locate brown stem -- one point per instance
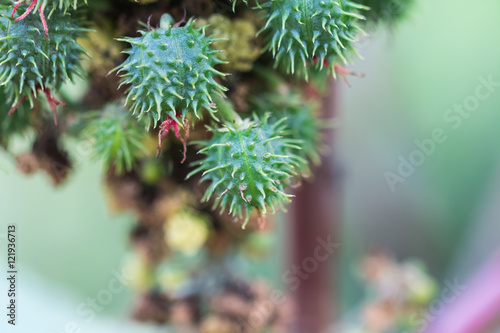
(315, 215)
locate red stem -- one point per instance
(26, 13)
(315, 215)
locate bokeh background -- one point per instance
(446, 213)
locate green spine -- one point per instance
(61, 4)
(302, 124)
(236, 1)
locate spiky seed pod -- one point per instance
(39, 6)
(312, 34)
(171, 72)
(117, 137)
(302, 123)
(248, 166)
(279, 127)
(30, 62)
(305, 126)
(388, 11)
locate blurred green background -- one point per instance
(415, 73)
(70, 243)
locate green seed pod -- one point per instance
(30, 62)
(302, 123)
(118, 138)
(312, 34)
(388, 11)
(39, 6)
(170, 71)
(248, 166)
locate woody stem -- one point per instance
(315, 220)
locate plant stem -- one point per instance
(315, 216)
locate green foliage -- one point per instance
(308, 35)
(118, 138)
(248, 166)
(171, 72)
(30, 62)
(389, 11)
